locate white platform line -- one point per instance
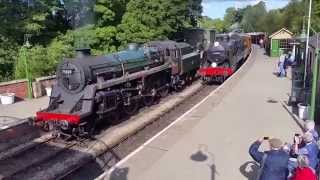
(170, 125)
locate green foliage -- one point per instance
(217, 24)
(274, 17)
(257, 18)
(206, 22)
(7, 53)
(231, 16)
(102, 25)
(155, 19)
(110, 12)
(253, 17)
(37, 62)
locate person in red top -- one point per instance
(303, 171)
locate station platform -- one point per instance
(14, 114)
(211, 141)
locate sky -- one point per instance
(216, 8)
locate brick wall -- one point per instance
(19, 87)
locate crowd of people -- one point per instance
(284, 161)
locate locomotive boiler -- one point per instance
(90, 89)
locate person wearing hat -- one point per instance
(308, 144)
(273, 163)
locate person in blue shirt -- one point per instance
(309, 126)
(281, 65)
(308, 144)
(273, 163)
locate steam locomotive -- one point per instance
(90, 89)
(224, 56)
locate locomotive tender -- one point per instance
(224, 56)
(90, 89)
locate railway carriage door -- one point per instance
(177, 58)
(170, 55)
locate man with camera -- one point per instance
(273, 163)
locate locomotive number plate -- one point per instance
(67, 71)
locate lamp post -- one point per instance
(25, 47)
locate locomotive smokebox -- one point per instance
(83, 52)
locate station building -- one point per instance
(280, 41)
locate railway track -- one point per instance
(18, 162)
(94, 168)
(34, 160)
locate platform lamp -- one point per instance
(25, 48)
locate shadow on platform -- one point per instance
(203, 155)
(119, 174)
(250, 170)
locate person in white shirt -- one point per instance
(261, 43)
(282, 71)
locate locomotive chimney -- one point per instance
(133, 46)
(83, 52)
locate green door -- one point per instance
(275, 48)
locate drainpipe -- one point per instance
(315, 82)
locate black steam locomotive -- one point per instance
(224, 56)
(91, 88)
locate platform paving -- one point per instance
(211, 142)
(13, 114)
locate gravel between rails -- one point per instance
(32, 156)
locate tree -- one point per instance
(274, 19)
(231, 16)
(110, 12)
(217, 24)
(155, 19)
(253, 16)
(58, 27)
(206, 22)
(293, 16)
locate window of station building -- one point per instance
(286, 44)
